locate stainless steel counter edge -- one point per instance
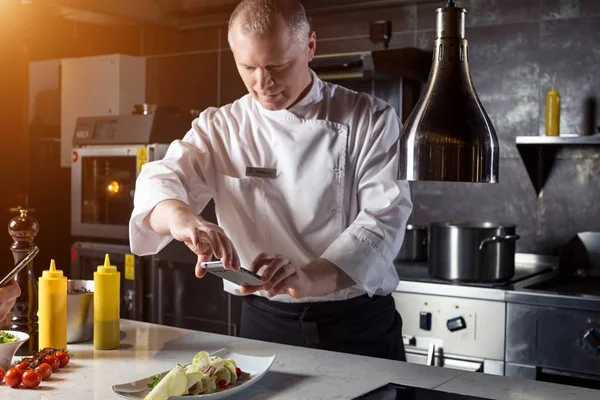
(437, 289)
(520, 294)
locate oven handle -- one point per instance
(471, 366)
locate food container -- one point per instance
(414, 247)
(472, 251)
(80, 311)
(8, 350)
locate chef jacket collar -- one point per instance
(313, 96)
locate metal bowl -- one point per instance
(80, 310)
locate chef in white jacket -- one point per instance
(303, 175)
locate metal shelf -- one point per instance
(538, 153)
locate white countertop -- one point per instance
(297, 373)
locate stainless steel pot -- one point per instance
(472, 251)
(414, 247)
(80, 310)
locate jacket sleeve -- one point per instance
(367, 248)
(186, 173)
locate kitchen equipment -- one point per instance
(472, 251)
(460, 325)
(553, 329)
(80, 310)
(134, 274)
(23, 230)
(414, 246)
(449, 136)
(394, 391)
(108, 155)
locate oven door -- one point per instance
(434, 355)
(102, 187)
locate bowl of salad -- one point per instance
(10, 341)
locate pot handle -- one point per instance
(498, 239)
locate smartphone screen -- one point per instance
(243, 276)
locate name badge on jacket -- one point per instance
(261, 172)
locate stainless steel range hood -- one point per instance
(410, 63)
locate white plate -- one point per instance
(257, 367)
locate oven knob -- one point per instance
(425, 320)
(456, 324)
(592, 340)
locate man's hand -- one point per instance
(202, 237)
(282, 275)
(8, 297)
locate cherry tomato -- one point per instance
(52, 361)
(48, 350)
(31, 379)
(22, 366)
(45, 370)
(13, 377)
(223, 384)
(1, 374)
(63, 358)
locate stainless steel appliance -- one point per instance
(135, 299)
(553, 323)
(108, 154)
(180, 299)
(394, 391)
(472, 251)
(414, 246)
(459, 325)
(449, 136)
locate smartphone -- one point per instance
(22, 264)
(243, 276)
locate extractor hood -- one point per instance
(410, 63)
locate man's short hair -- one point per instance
(257, 17)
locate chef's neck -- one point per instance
(309, 78)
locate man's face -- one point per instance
(274, 67)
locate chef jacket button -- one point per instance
(333, 211)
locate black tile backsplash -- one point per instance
(517, 51)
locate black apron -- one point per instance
(368, 326)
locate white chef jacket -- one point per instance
(334, 195)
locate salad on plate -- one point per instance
(205, 374)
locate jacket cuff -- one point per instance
(361, 255)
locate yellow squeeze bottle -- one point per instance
(106, 306)
(552, 113)
(52, 308)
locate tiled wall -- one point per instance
(518, 49)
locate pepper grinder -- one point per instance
(23, 230)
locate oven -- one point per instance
(453, 332)
(553, 323)
(102, 187)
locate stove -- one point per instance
(553, 321)
(460, 325)
(394, 391)
(419, 272)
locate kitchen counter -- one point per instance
(297, 373)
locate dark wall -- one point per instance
(518, 50)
